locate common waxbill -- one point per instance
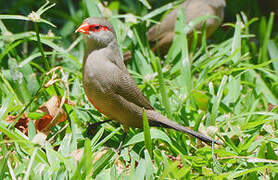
(110, 88)
(161, 35)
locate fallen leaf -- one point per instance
(43, 122)
(54, 114)
(22, 123)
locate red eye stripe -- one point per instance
(98, 27)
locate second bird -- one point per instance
(161, 35)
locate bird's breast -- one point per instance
(96, 79)
(98, 84)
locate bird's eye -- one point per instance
(97, 27)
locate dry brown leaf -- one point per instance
(22, 123)
(54, 114)
(43, 122)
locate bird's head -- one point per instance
(98, 32)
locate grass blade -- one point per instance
(147, 134)
(263, 56)
(27, 174)
(162, 88)
(236, 44)
(92, 8)
(217, 101)
(273, 52)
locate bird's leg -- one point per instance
(118, 150)
(92, 127)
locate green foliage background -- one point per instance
(226, 87)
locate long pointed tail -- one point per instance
(157, 120)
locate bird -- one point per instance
(161, 35)
(109, 86)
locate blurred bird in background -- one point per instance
(161, 35)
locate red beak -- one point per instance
(83, 28)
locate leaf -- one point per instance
(239, 173)
(31, 130)
(217, 100)
(85, 166)
(273, 52)
(147, 134)
(262, 88)
(236, 44)
(163, 89)
(65, 147)
(99, 165)
(39, 139)
(159, 11)
(31, 162)
(155, 134)
(149, 165)
(53, 114)
(233, 90)
(263, 56)
(22, 140)
(19, 17)
(106, 139)
(201, 99)
(22, 123)
(146, 3)
(36, 115)
(92, 8)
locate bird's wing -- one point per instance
(126, 87)
(117, 60)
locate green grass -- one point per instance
(226, 88)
